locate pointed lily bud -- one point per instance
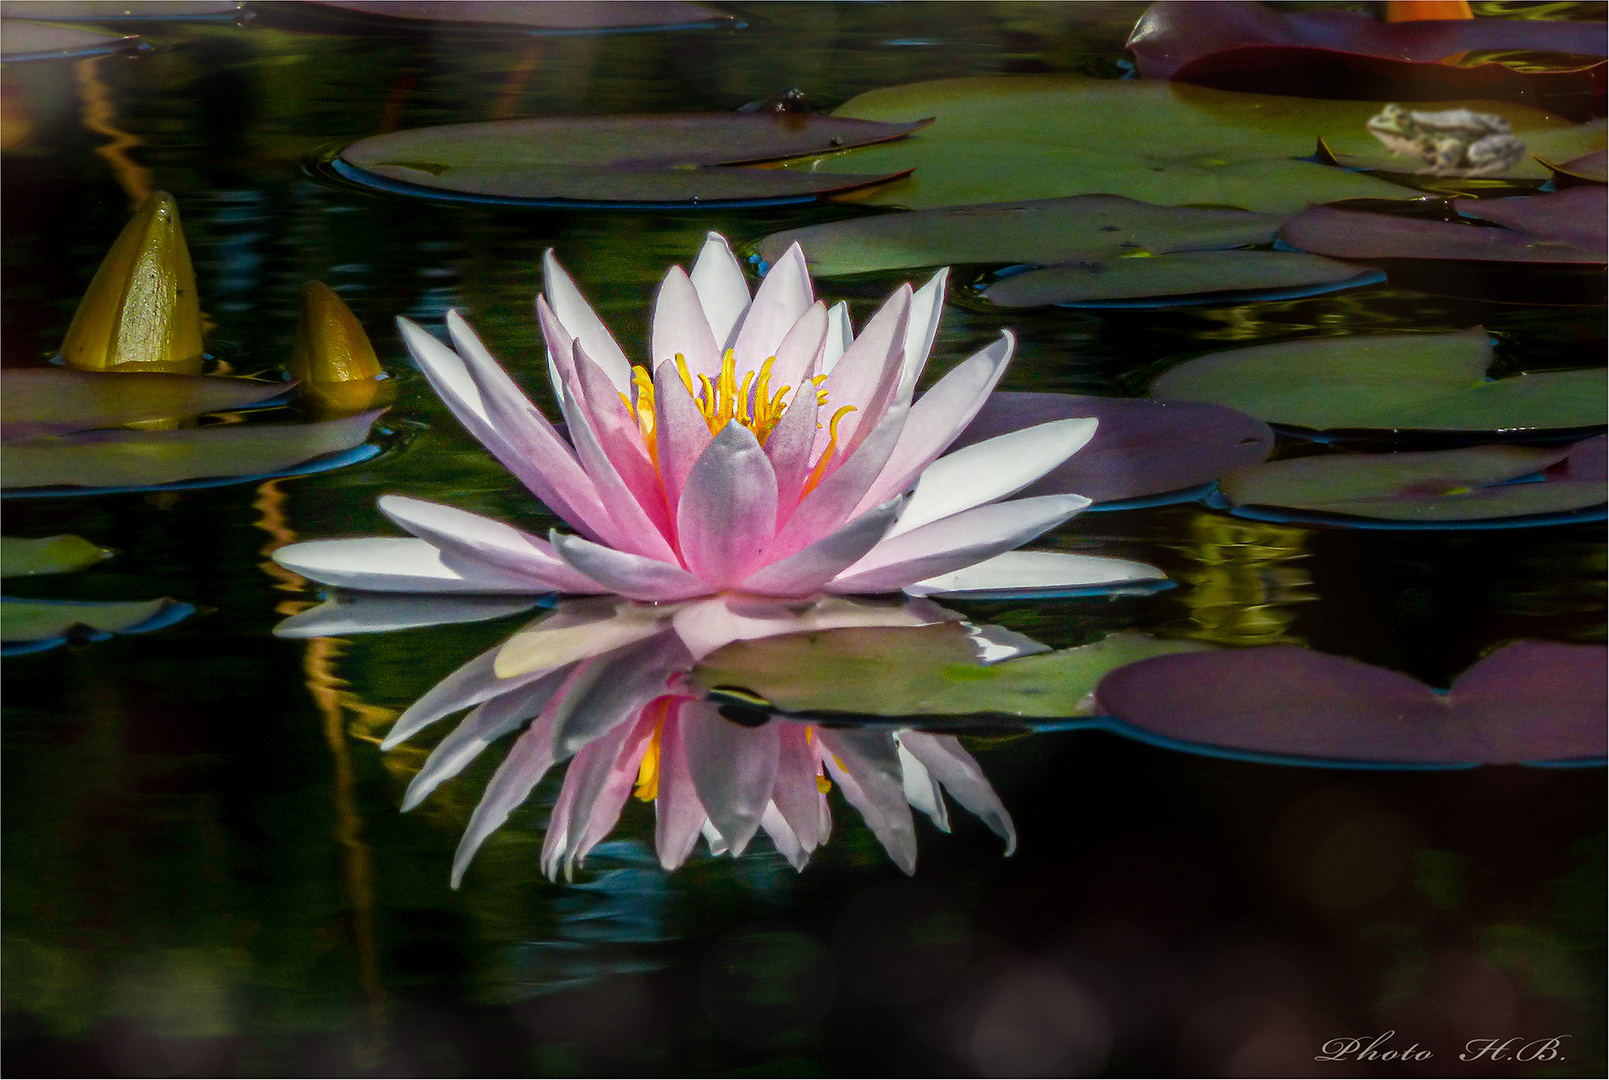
(141, 312)
(332, 356)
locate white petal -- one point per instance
(1027, 573)
(484, 541)
(921, 790)
(722, 288)
(397, 564)
(840, 335)
(583, 323)
(991, 470)
(783, 297)
(346, 613)
(926, 308)
(949, 764)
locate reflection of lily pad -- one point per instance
(1041, 232)
(1191, 277)
(502, 17)
(123, 11)
(659, 161)
(1008, 138)
(1531, 701)
(41, 401)
(140, 459)
(920, 671)
(1468, 484)
(35, 625)
(21, 40)
(1414, 381)
(1141, 448)
(1239, 45)
(62, 554)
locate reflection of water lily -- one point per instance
(764, 449)
(604, 680)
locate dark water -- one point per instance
(205, 872)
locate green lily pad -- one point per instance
(1202, 274)
(136, 459)
(42, 401)
(1468, 484)
(1041, 231)
(1552, 143)
(62, 554)
(1040, 136)
(670, 161)
(1414, 381)
(52, 620)
(920, 671)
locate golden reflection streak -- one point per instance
(99, 116)
(330, 694)
(1241, 588)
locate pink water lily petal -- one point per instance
(775, 826)
(601, 775)
(681, 433)
(801, 349)
(1536, 701)
(471, 684)
(1026, 573)
(527, 762)
(514, 433)
(681, 327)
(927, 305)
(615, 688)
(722, 289)
(949, 763)
(679, 815)
(557, 836)
(733, 768)
(956, 541)
(938, 416)
(810, 568)
(485, 541)
(397, 564)
(987, 471)
(797, 795)
(728, 509)
(840, 335)
(921, 790)
(868, 373)
(561, 359)
(345, 613)
(636, 576)
(582, 323)
(789, 447)
(622, 443)
(485, 724)
(829, 506)
(783, 296)
(865, 764)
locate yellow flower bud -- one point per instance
(332, 356)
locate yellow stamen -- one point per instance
(832, 447)
(643, 410)
(648, 772)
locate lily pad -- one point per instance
(1450, 486)
(1590, 168)
(1530, 701)
(52, 401)
(1008, 138)
(22, 40)
(62, 554)
(1554, 143)
(133, 460)
(1564, 227)
(668, 161)
(1191, 277)
(35, 625)
(1141, 448)
(1429, 382)
(122, 11)
(1041, 231)
(928, 671)
(1239, 45)
(539, 17)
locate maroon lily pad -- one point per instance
(52, 401)
(1576, 216)
(1587, 460)
(22, 40)
(1530, 701)
(671, 160)
(1141, 447)
(1560, 231)
(503, 16)
(1590, 168)
(1239, 45)
(123, 11)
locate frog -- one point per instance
(1457, 142)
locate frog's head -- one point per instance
(1393, 120)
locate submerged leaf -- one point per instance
(640, 160)
(50, 555)
(50, 401)
(1414, 381)
(910, 672)
(141, 311)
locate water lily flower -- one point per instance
(604, 681)
(762, 449)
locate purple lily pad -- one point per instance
(1587, 460)
(1575, 216)
(53, 401)
(642, 161)
(1530, 701)
(503, 16)
(1353, 234)
(1141, 447)
(123, 11)
(1239, 45)
(1193, 276)
(1590, 168)
(1468, 484)
(22, 40)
